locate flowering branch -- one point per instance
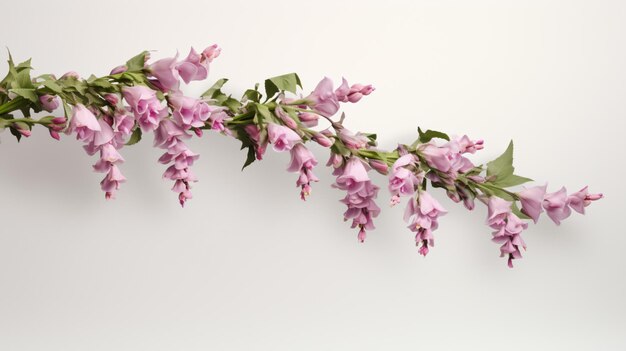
(110, 112)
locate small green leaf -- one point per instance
(252, 95)
(263, 112)
(135, 137)
(511, 180)
(137, 62)
(52, 85)
(250, 157)
(518, 212)
(215, 88)
(29, 94)
(428, 135)
(232, 104)
(287, 82)
(502, 166)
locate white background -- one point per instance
(248, 266)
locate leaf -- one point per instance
(518, 212)
(511, 180)
(22, 80)
(137, 62)
(287, 82)
(29, 94)
(52, 85)
(502, 166)
(135, 137)
(232, 104)
(264, 112)
(428, 135)
(215, 88)
(251, 157)
(252, 95)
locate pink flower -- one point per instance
(532, 199)
(354, 176)
(581, 199)
(83, 122)
(192, 67)
(119, 69)
(124, 122)
(380, 166)
(217, 120)
(353, 141)
(260, 141)
(324, 99)
(352, 94)
(402, 180)
(437, 157)
(49, 102)
(111, 182)
(196, 66)
(169, 136)
(303, 161)
(466, 145)
(308, 119)
(285, 118)
(211, 53)
(322, 139)
(555, 205)
(145, 105)
(281, 137)
(166, 74)
(188, 112)
(508, 229)
(422, 215)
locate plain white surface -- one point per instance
(248, 266)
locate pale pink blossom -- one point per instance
(303, 161)
(581, 199)
(532, 200)
(281, 137)
(556, 205)
(422, 214)
(324, 99)
(145, 105)
(49, 102)
(84, 123)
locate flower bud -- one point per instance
(112, 99)
(380, 166)
(322, 140)
(70, 75)
(49, 102)
(54, 134)
(308, 119)
(119, 69)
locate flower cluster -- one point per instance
(140, 97)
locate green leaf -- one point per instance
(516, 211)
(502, 166)
(137, 62)
(511, 180)
(232, 104)
(215, 88)
(135, 137)
(287, 82)
(52, 85)
(252, 95)
(428, 135)
(263, 112)
(250, 157)
(22, 80)
(29, 94)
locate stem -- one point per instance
(13, 105)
